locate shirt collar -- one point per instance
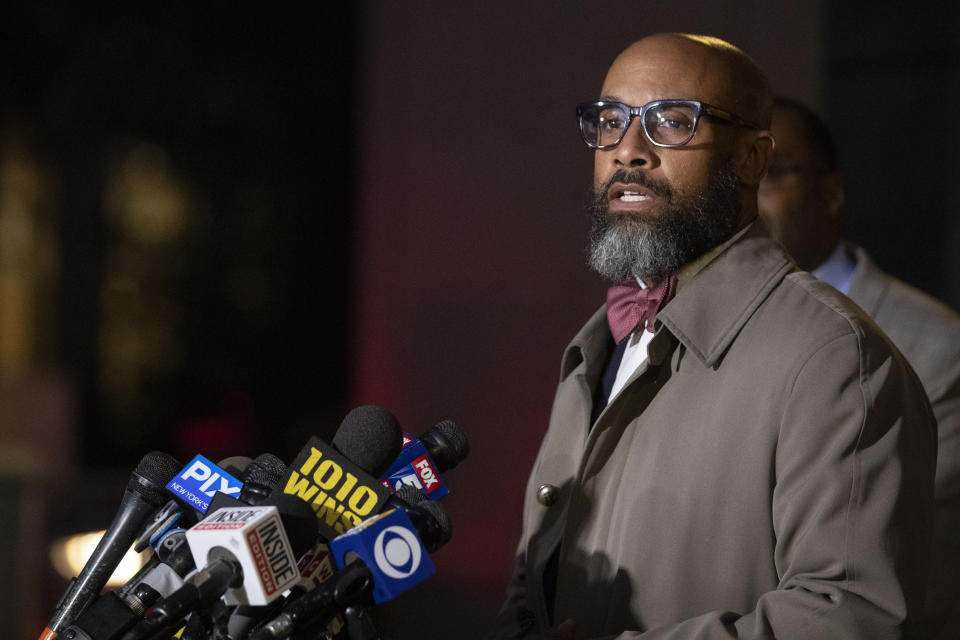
(839, 269)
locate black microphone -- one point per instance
(335, 479)
(430, 520)
(447, 444)
(369, 437)
(145, 492)
(423, 459)
(354, 584)
(174, 518)
(245, 554)
(115, 612)
(261, 478)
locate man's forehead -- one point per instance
(666, 68)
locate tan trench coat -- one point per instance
(768, 473)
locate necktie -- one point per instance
(630, 306)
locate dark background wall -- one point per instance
(889, 63)
(252, 218)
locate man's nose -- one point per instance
(635, 149)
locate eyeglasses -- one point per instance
(666, 123)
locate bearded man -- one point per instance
(735, 450)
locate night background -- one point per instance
(223, 225)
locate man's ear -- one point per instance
(753, 165)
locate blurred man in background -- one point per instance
(801, 200)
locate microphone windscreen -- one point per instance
(411, 495)
(369, 437)
(440, 515)
(447, 444)
(265, 469)
(151, 476)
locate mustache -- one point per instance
(658, 188)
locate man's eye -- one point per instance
(611, 123)
(667, 122)
(676, 119)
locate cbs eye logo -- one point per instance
(397, 552)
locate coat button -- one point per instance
(547, 495)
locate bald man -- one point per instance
(734, 451)
(801, 200)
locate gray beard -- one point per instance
(625, 246)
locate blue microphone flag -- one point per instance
(390, 548)
(196, 483)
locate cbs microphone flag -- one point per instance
(389, 547)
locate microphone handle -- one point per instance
(359, 624)
(131, 584)
(316, 608)
(132, 515)
(165, 617)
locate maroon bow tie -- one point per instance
(630, 306)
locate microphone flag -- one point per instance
(256, 538)
(416, 468)
(197, 482)
(390, 548)
(340, 493)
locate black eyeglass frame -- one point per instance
(699, 109)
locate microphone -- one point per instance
(370, 437)
(261, 478)
(246, 554)
(336, 480)
(379, 559)
(173, 560)
(197, 483)
(144, 493)
(256, 538)
(114, 612)
(429, 519)
(447, 444)
(172, 515)
(421, 461)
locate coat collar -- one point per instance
(713, 306)
(707, 312)
(592, 345)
